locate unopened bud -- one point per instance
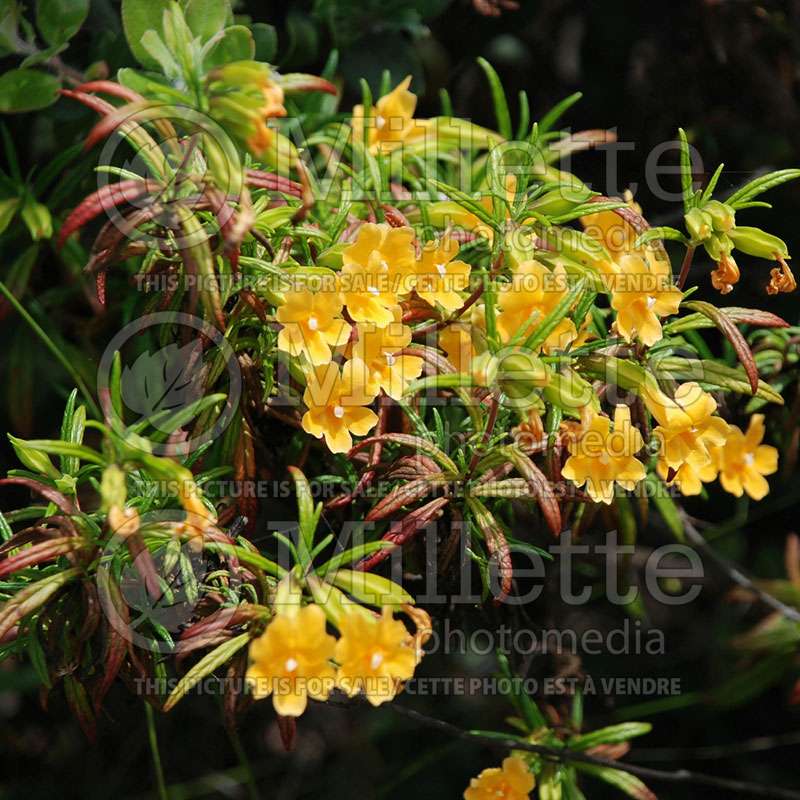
(758, 243)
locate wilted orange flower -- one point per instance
(374, 656)
(439, 278)
(532, 294)
(336, 404)
(781, 279)
(377, 348)
(310, 325)
(512, 781)
(725, 275)
(377, 268)
(744, 461)
(600, 457)
(390, 120)
(290, 661)
(640, 295)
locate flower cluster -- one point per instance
(294, 657)
(361, 320)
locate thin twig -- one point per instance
(687, 262)
(679, 776)
(734, 573)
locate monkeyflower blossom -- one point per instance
(512, 781)
(336, 404)
(310, 324)
(688, 477)
(600, 457)
(456, 341)
(439, 278)
(531, 295)
(377, 268)
(641, 295)
(687, 425)
(374, 655)
(378, 348)
(244, 95)
(744, 461)
(290, 660)
(390, 121)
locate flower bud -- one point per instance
(717, 245)
(698, 223)
(723, 217)
(37, 217)
(484, 369)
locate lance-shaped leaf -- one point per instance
(216, 658)
(351, 555)
(407, 493)
(761, 184)
(554, 318)
(78, 701)
(300, 82)
(610, 735)
(48, 492)
(104, 199)
(404, 529)
(728, 328)
(496, 543)
(716, 374)
(38, 553)
(623, 781)
(414, 442)
(308, 514)
(374, 590)
(274, 183)
(31, 597)
(539, 485)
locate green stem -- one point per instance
(151, 733)
(252, 788)
(62, 359)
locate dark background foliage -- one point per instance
(725, 71)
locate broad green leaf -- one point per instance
(138, 17)
(235, 44)
(27, 90)
(59, 20)
(266, 41)
(206, 18)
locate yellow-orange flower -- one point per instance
(310, 324)
(374, 656)
(744, 461)
(456, 341)
(687, 425)
(439, 278)
(512, 781)
(531, 295)
(600, 457)
(290, 661)
(641, 295)
(378, 348)
(390, 121)
(377, 268)
(336, 404)
(688, 477)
